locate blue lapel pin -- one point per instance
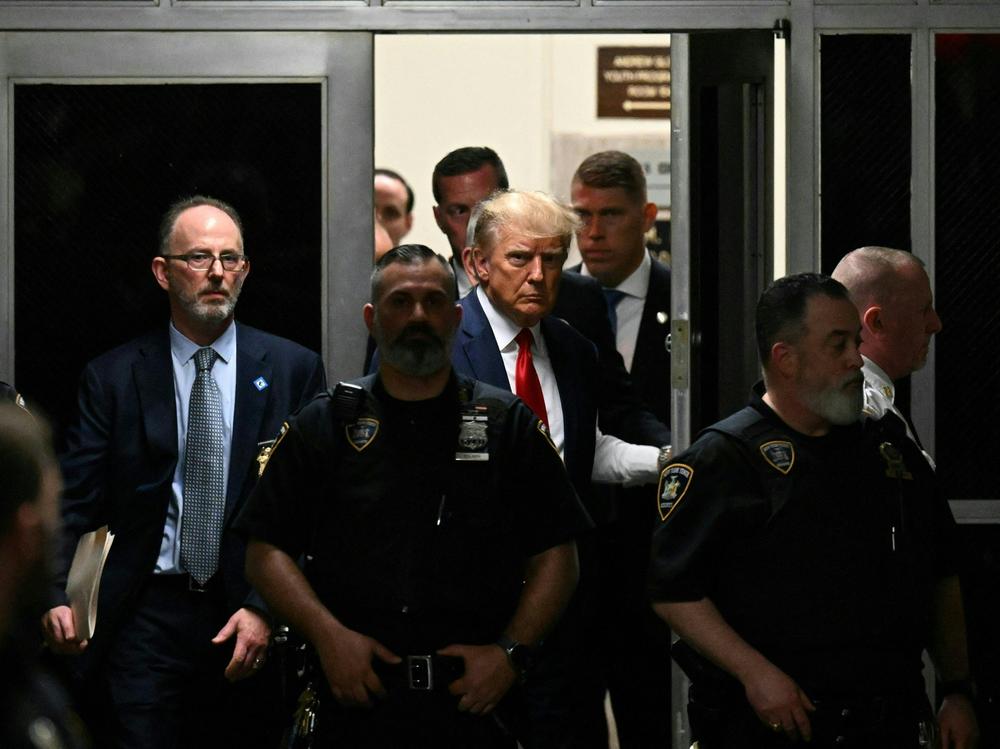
(261, 384)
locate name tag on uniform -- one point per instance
(472, 440)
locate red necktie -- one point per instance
(526, 383)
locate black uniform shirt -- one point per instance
(407, 543)
(810, 551)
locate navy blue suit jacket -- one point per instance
(122, 453)
(574, 364)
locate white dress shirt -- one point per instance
(615, 461)
(880, 398)
(182, 351)
(629, 309)
(505, 332)
(461, 277)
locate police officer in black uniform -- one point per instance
(437, 523)
(34, 709)
(800, 551)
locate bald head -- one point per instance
(893, 295)
(871, 275)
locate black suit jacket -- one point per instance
(581, 303)
(651, 361)
(574, 364)
(122, 453)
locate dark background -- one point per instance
(865, 152)
(95, 168)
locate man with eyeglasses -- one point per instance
(165, 452)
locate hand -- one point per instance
(957, 721)
(59, 628)
(346, 657)
(252, 636)
(488, 676)
(777, 700)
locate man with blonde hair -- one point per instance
(509, 338)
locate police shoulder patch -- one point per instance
(267, 448)
(779, 454)
(362, 432)
(674, 482)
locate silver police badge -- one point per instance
(779, 454)
(361, 433)
(472, 438)
(472, 435)
(674, 482)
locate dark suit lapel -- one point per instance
(252, 370)
(562, 368)
(153, 372)
(478, 345)
(652, 332)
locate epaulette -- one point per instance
(746, 424)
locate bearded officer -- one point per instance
(800, 550)
(438, 522)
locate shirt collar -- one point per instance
(504, 329)
(183, 348)
(637, 283)
(879, 379)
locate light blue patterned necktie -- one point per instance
(204, 485)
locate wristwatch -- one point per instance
(663, 460)
(520, 656)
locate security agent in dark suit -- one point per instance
(608, 193)
(164, 453)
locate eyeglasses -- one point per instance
(202, 261)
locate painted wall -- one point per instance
(526, 96)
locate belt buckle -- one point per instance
(194, 586)
(419, 672)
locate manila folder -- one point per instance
(84, 579)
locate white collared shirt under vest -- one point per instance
(880, 397)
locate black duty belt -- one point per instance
(872, 710)
(852, 722)
(421, 672)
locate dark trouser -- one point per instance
(407, 719)
(162, 683)
(564, 693)
(634, 641)
(836, 724)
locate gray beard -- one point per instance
(836, 405)
(416, 358)
(211, 313)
